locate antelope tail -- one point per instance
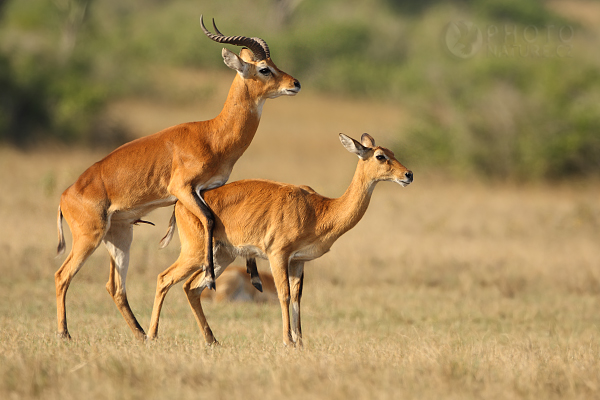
(164, 242)
(61, 236)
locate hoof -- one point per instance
(258, 286)
(63, 335)
(211, 286)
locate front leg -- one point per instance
(253, 271)
(193, 201)
(279, 268)
(296, 272)
(208, 232)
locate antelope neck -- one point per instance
(344, 212)
(238, 120)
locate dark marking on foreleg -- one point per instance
(210, 218)
(141, 221)
(253, 271)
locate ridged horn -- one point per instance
(264, 45)
(256, 45)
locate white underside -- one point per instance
(138, 212)
(250, 251)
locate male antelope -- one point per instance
(177, 164)
(286, 224)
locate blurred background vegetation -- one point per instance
(514, 96)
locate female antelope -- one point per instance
(286, 224)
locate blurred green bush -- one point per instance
(524, 105)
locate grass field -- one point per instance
(447, 289)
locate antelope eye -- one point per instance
(380, 157)
(264, 71)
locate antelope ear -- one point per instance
(367, 140)
(236, 63)
(247, 55)
(353, 146)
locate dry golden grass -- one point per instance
(454, 290)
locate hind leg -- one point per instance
(189, 261)
(83, 247)
(118, 242)
(177, 272)
(86, 238)
(194, 286)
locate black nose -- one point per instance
(409, 175)
(297, 84)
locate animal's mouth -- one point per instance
(403, 183)
(291, 92)
(284, 92)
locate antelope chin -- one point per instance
(401, 182)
